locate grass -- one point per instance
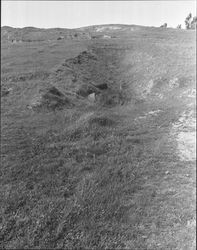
(97, 176)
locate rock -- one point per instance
(92, 97)
(173, 83)
(102, 86)
(60, 38)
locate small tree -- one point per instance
(188, 21)
(178, 26)
(164, 25)
(194, 23)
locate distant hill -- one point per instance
(30, 34)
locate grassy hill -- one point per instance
(117, 173)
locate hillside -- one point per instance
(31, 34)
(115, 171)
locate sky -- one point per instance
(75, 14)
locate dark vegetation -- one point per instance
(107, 174)
(164, 25)
(51, 99)
(190, 23)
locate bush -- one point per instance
(190, 23)
(194, 23)
(164, 25)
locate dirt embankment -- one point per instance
(91, 72)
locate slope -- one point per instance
(116, 173)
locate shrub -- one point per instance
(194, 23)
(190, 23)
(164, 25)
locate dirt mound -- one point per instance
(75, 73)
(82, 58)
(51, 100)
